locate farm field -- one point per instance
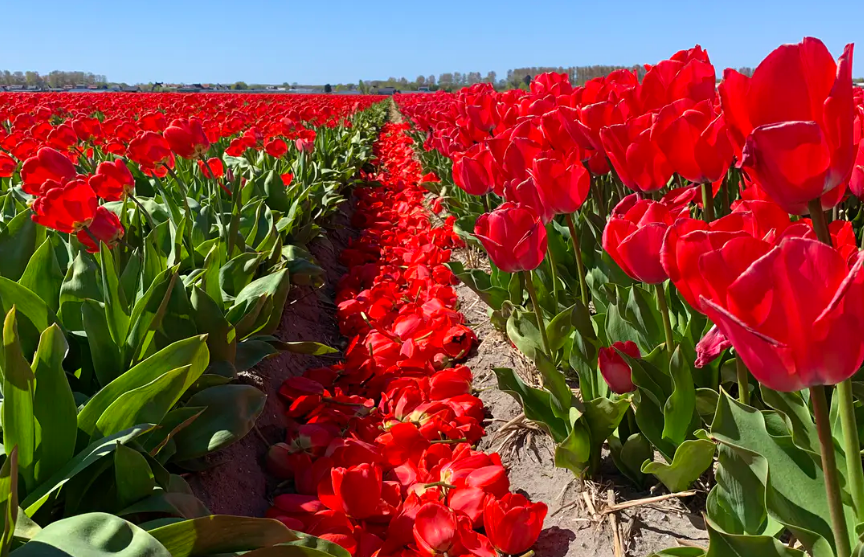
(617, 318)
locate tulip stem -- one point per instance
(184, 195)
(144, 211)
(664, 315)
(829, 470)
(598, 195)
(743, 381)
(554, 272)
(851, 446)
(580, 265)
(538, 312)
(485, 200)
(820, 226)
(707, 201)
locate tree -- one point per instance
(527, 79)
(491, 77)
(240, 86)
(430, 81)
(421, 81)
(328, 88)
(474, 77)
(445, 79)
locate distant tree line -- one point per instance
(53, 79)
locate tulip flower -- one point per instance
(276, 147)
(513, 236)
(212, 166)
(473, 171)
(616, 372)
(112, 181)
(152, 152)
(634, 235)
(66, 208)
(356, 491)
(795, 117)
(792, 315)
(638, 161)
(512, 523)
(7, 165)
(856, 181)
(563, 187)
(47, 164)
(436, 529)
(187, 138)
(105, 228)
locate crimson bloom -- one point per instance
(474, 170)
(187, 138)
(436, 530)
(616, 372)
(212, 166)
(7, 165)
(68, 208)
(513, 523)
(513, 236)
(563, 187)
(47, 164)
(820, 343)
(151, 151)
(794, 119)
(356, 491)
(638, 160)
(276, 147)
(634, 235)
(112, 181)
(105, 227)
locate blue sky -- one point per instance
(318, 41)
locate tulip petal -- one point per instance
(641, 251)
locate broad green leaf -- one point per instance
(34, 316)
(209, 535)
(82, 282)
(692, 459)
(174, 422)
(148, 403)
(235, 275)
(192, 352)
(306, 347)
(797, 414)
(523, 332)
(250, 352)
(729, 545)
(18, 241)
(679, 411)
(555, 382)
(19, 385)
(536, 403)
(115, 302)
(274, 288)
(737, 503)
(209, 319)
(43, 275)
(147, 316)
(174, 504)
(54, 406)
(481, 283)
(104, 352)
(82, 460)
(8, 500)
(92, 535)
(132, 476)
(231, 413)
(630, 456)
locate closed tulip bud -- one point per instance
(513, 236)
(616, 372)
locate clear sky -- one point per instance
(319, 41)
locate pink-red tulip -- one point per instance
(634, 235)
(513, 523)
(616, 372)
(513, 236)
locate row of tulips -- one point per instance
(380, 446)
(148, 244)
(666, 242)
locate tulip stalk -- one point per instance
(553, 271)
(743, 381)
(663, 306)
(538, 312)
(580, 265)
(707, 202)
(846, 403)
(829, 470)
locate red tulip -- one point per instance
(794, 315)
(276, 147)
(473, 171)
(563, 188)
(187, 138)
(513, 523)
(436, 530)
(856, 182)
(151, 151)
(287, 178)
(48, 164)
(7, 165)
(67, 208)
(86, 128)
(527, 195)
(513, 236)
(639, 161)
(105, 228)
(634, 235)
(356, 491)
(694, 140)
(212, 166)
(112, 181)
(796, 117)
(616, 372)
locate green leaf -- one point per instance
(319, 544)
(132, 475)
(18, 241)
(210, 535)
(796, 412)
(192, 351)
(54, 406)
(34, 316)
(679, 411)
(536, 403)
(209, 319)
(729, 545)
(175, 421)
(43, 275)
(250, 316)
(306, 347)
(148, 403)
(115, 302)
(630, 456)
(523, 332)
(231, 413)
(238, 273)
(81, 461)
(580, 452)
(692, 459)
(481, 283)
(81, 283)
(147, 316)
(173, 504)
(19, 384)
(737, 503)
(8, 500)
(104, 352)
(92, 535)
(250, 352)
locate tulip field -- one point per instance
(670, 262)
